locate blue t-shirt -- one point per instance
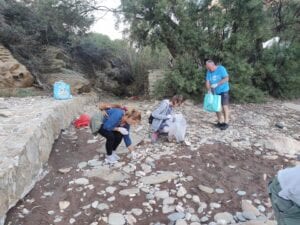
(216, 76)
(113, 120)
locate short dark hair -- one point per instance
(177, 99)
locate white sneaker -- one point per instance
(110, 159)
(116, 157)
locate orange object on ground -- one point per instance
(82, 121)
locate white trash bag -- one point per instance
(177, 127)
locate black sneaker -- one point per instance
(224, 126)
(218, 125)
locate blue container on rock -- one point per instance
(61, 90)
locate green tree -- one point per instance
(231, 32)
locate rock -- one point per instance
(130, 219)
(111, 199)
(181, 222)
(181, 192)
(116, 219)
(137, 212)
(76, 80)
(63, 205)
(240, 217)
(223, 218)
(204, 219)
(179, 208)
(110, 189)
(5, 113)
(248, 207)
(129, 192)
(249, 215)
(241, 193)
(219, 191)
(51, 212)
(195, 223)
(82, 181)
(65, 170)
(81, 165)
(168, 201)
(105, 173)
(72, 220)
(94, 163)
(102, 206)
(282, 144)
(261, 208)
(206, 189)
(280, 124)
(12, 73)
(196, 199)
(214, 205)
(95, 204)
(176, 216)
(161, 194)
(168, 209)
(160, 178)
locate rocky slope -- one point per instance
(215, 177)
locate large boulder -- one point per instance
(76, 80)
(12, 73)
(54, 60)
(282, 144)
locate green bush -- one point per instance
(185, 78)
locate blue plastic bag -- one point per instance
(212, 103)
(61, 90)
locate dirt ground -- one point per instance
(212, 165)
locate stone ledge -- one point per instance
(28, 129)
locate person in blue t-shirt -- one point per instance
(115, 127)
(217, 82)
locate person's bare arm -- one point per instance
(207, 84)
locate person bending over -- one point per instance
(115, 127)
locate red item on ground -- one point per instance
(82, 121)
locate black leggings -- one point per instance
(113, 139)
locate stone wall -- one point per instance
(29, 127)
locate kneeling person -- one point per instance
(284, 192)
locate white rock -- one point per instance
(110, 189)
(130, 219)
(102, 206)
(206, 189)
(116, 219)
(196, 199)
(161, 194)
(137, 211)
(81, 165)
(63, 205)
(72, 220)
(82, 181)
(181, 222)
(129, 192)
(181, 192)
(65, 170)
(95, 204)
(223, 218)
